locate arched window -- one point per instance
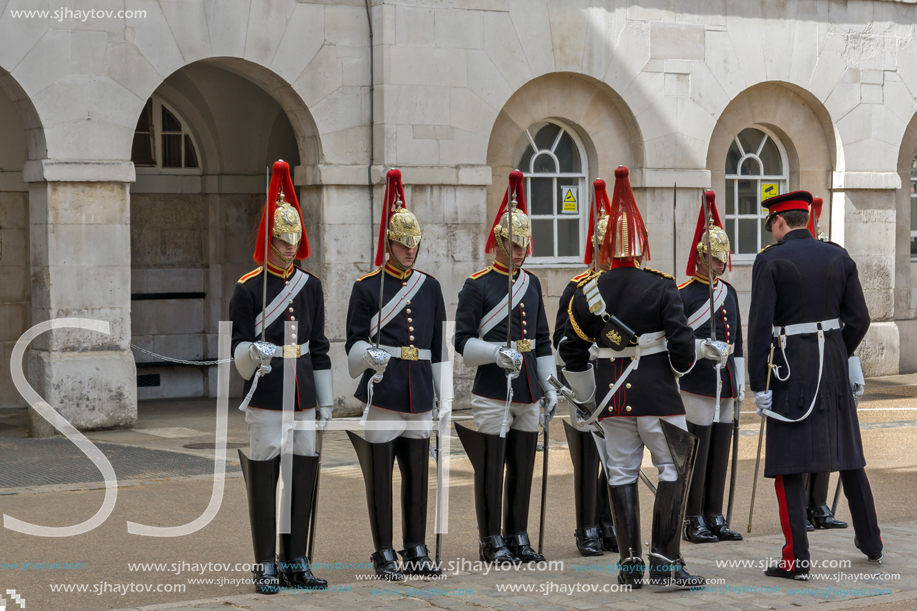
(162, 140)
(554, 163)
(914, 207)
(756, 169)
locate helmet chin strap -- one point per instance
(501, 244)
(398, 264)
(280, 254)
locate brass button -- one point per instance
(410, 319)
(292, 318)
(409, 309)
(404, 284)
(522, 305)
(524, 324)
(727, 326)
(286, 283)
(523, 314)
(611, 386)
(411, 329)
(291, 309)
(725, 318)
(412, 338)
(408, 302)
(627, 385)
(612, 359)
(628, 408)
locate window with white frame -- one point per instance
(551, 157)
(162, 140)
(914, 207)
(756, 169)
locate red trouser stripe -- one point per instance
(788, 557)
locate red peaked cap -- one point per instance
(393, 187)
(710, 196)
(515, 185)
(814, 215)
(603, 204)
(280, 178)
(622, 200)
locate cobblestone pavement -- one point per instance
(848, 580)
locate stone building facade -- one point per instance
(134, 144)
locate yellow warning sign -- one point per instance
(769, 189)
(570, 203)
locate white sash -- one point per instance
(702, 315)
(275, 308)
(498, 313)
(398, 302)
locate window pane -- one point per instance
(568, 238)
(577, 194)
(770, 156)
(748, 197)
(171, 150)
(568, 154)
(544, 164)
(767, 238)
(190, 153)
(146, 117)
(732, 159)
(523, 162)
(731, 232)
(543, 237)
(142, 150)
(914, 167)
(751, 167)
(914, 246)
(541, 195)
(169, 122)
(730, 197)
(748, 236)
(750, 138)
(545, 137)
(913, 213)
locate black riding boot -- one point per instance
(414, 463)
(717, 466)
(487, 454)
(818, 512)
(696, 530)
(295, 571)
(667, 567)
(625, 506)
(585, 458)
(603, 515)
(377, 461)
(261, 487)
(517, 493)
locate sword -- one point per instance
(674, 229)
(709, 257)
(509, 313)
(754, 483)
(439, 484)
(544, 481)
(318, 475)
(267, 222)
(595, 233)
(837, 495)
(735, 460)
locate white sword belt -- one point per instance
(647, 344)
(291, 351)
(522, 345)
(408, 353)
(781, 333)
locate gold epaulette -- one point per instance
(589, 276)
(769, 246)
(575, 326)
(477, 275)
(251, 275)
(659, 273)
(370, 274)
(683, 285)
(583, 276)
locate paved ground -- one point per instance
(108, 559)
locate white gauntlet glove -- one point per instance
(718, 352)
(376, 359)
(324, 416)
(763, 401)
(510, 360)
(740, 378)
(546, 368)
(251, 356)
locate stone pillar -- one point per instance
(80, 260)
(869, 236)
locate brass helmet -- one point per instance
(404, 226)
(719, 243)
(625, 236)
(287, 224)
(398, 224)
(522, 227)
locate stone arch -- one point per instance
(600, 117)
(905, 307)
(800, 121)
(36, 144)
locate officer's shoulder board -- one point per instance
(685, 284)
(769, 246)
(832, 243)
(370, 274)
(483, 272)
(659, 273)
(585, 277)
(250, 275)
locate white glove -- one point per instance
(740, 377)
(857, 382)
(718, 352)
(594, 352)
(261, 353)
(509, 359)
(376, 359)
(263, 370)
(763, 401)
(324, 416)
(550, 406)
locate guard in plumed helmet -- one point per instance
(636, 317)
(264, 300)
(808, 315)
(709, 392)
(400, 365)
(510, 382)
(595, 531)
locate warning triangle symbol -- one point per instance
(569, 197)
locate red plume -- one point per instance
(393, 187)
(603, 205)
(515, 185)
(280, 178)
(701, 227)
(622, 200)
(814, 216)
